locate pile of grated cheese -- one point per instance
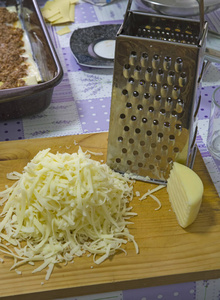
(62, 206)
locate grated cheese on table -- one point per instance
(150, 192)
(62, 206)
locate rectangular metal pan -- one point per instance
(23, 101)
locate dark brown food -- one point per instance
(12, 64)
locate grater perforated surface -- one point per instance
(155, 100)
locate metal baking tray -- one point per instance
(23, 101)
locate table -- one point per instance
(81, 104)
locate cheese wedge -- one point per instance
(185, 190)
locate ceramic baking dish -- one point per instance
(28, 100)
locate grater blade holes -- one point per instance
(182, 79)
(144, 120)
(159, 75)
(167, 62)
(137, 72)
(169, 160)
(149, 74)
(153, 88)
(142, 143)
(126, 128)
(164, 90)
(137, 130)
(127, 66)
(124, 92)
(160, 136)
(174, 114)
(131, 141)
(158, 98)
(178, 64)
(133, 118)
(171, 77)
(146, 155)
(138, 68)
(144, 59)
(175, 149)
(128, 105)
(140, 107)
(178, 126)
(166, 124)
(124, 150)
(155, 61)
(147, 95)
(122, 116)
(142, 82)
(179, 105)
(133, 58)
(126, 70)
(175, 91)
(135, 94)
(135, 152)
(120, 139)
(164, 148)
(168, 103)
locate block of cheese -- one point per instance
(185, 190)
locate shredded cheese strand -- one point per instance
(62, 206)
(159, 187)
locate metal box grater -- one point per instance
(156, 94)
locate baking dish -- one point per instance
(23, 101)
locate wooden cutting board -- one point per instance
(168, 253)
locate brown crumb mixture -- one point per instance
(12, 64)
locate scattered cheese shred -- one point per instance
(159, 187)
(64, 30)
(157, 200)
(62, 206)
(150, 192)
(18, 272)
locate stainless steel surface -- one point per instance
(201, 16)
(178, 7)
(27, 100)
(156, 94)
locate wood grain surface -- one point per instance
(168, 253)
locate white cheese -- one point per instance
(159, 187)
(150, 192)
(185, 190)
(59, 12)
(62, 206)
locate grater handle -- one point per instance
(127, 12)
(202, 17)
